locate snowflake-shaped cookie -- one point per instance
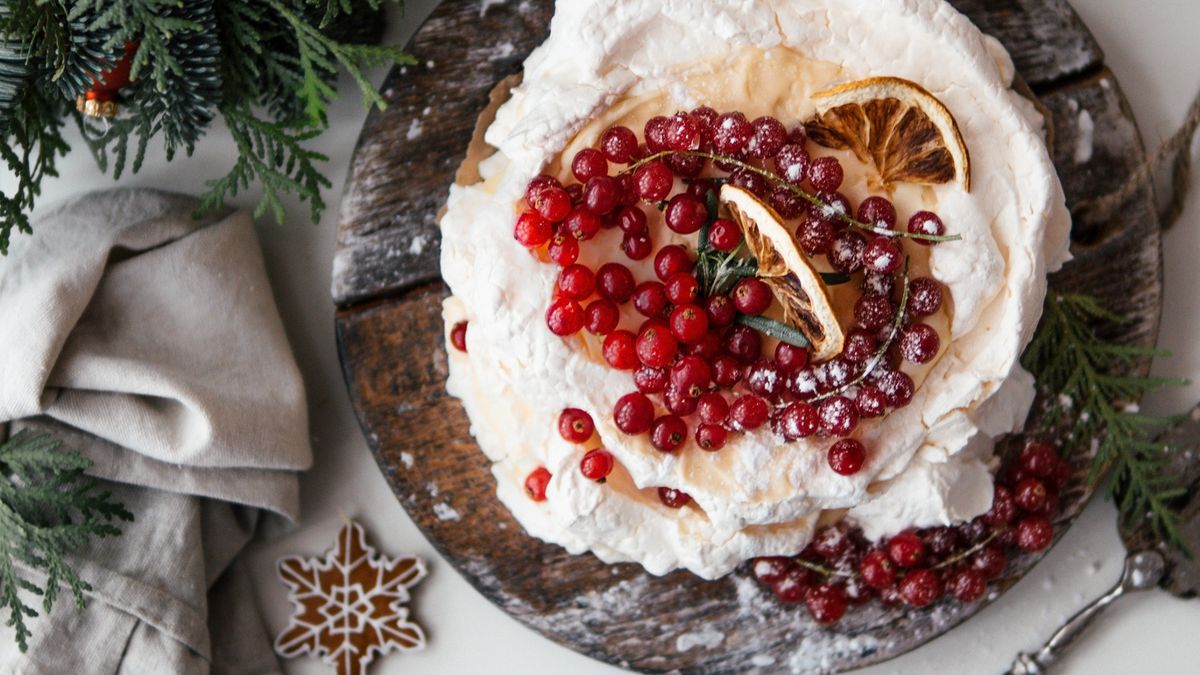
(349, 606)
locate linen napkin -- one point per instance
(150, 341)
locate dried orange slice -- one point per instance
(895, 124)
(796, 285)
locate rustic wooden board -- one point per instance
(391, 340)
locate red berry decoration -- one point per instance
(633, 413)
(838, 416)
(685, 214)
(620, 350)
(637, 246)
(576, 282)
(1004, 507)
(602, 316)
(883, 255)
(601, 195)
(1038, 459)
(743, 343)
(845, 255)
(563, 250)
(532, 230)
(656, 347)
(618, 144)
(727, 371)
(539, 183)
(582, 224)
(711, 437)
(724, 235)
(720, 310)
(536, 483)
(873, 312)
(672, 498)
(575, 425)
(791, 163)
(897, 387)
(552, 203)
(691, 375)
(763, 378)
(877, 211)
(564, 317)
(906, 549)
(768, 138)
(919, 588)
(651, 380)
(816, 235)
(752, 296)
(631, 220)
(707, 347)
(924, 296)
(683, 132)
(870, 401)
(749, 412)
(1034, 533)
(689, 323)
(713, 408)
(1031, 495)
(655, 132)
(879, 284)
(771, 569)
(799, 420)
(670, 260)
(925, 222)
(458, 336)
(825, 174)
(614, 282)
(680, 402)
(990, 562)
(589, 163)
(846, 457)
(650, 298)
(668, 432)
(682, 288)
(919, 343)
(790, 358)
(793, 587)
(826, 604)
(860, 345)
(750, 182)
(732, 133)
(596, 465)
(877, 570)
(786, 203)
(967, 585)
(653, 181)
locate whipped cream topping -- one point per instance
(620, 61)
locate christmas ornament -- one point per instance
(349, 606)
(101, 99)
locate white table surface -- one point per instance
(1151, 46)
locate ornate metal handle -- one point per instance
(1143, 570)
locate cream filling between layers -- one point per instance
(757, 496)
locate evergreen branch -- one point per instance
(48, 508)
(32, 143)
(1094, 395)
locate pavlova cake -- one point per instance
(741, 279)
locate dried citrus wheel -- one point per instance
(796, 285)
(894, 123)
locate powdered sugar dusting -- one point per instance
(414, 130)
(407, 460)
(705, 639)
(1085, 142)
(445, 512)
(417, 247)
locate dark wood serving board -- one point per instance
(388, 291)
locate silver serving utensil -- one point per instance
(1152, 563)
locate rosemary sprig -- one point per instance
(1088, 380)
(772, 328)
(777, 180)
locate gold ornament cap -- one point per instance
(96, 108)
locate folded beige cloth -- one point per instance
(150, 341)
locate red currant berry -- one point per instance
(1034, 533)
(793, 587)
(752, 296)
(816, 235)
(1003, 509)
(620, 350)
(732, 133)
(883, 255)
(672, 498)
(564, 250)
(711, 437)
(668, 432)
(680, 402)
(878, 284)
(713, 408)
(749, 412)
(650, 298)
(786, 203)
(458, 336)
(720, 310)
(803, 383)
(790, 358)
(685, 214)
(920, 588)
(845, 255)
(763, 378)
(671, 260)
(536, 483)
(602, 316)
(838, 416)
(576, 282)
(685, 166)
(1038, 459)
(870, 401)
(656, 347)
(791, 163)
(750, 182)
(846, 457)
(575, 425)
(877, 570)
(771, 569)
(637, 246)
(539, 183)
(1061, 475)
(724, 235)
(682, 288)
(653, 181)
(727, 371)
(618, 144)
(769, 137)
(743, 343)
(919, 343)
(633, 413)
(990, 562)
(655, 132)
(706, 117)
(924, 296)
(707, 347)
(906, 549)
(924, 222)
(601, 195)
(689, 323)
(1031, 495)
(552, 203)
(860, 345)
(651, 380)
(799, 420)
(631, 220)
(826, 604)
(596, 465)
(614, 282)
(825, 174)
(873, 312)
(683, 132)
(589, 163)
(575, 192)
(897, 387)
(582, 224)
(877, 211)
(691, 375)
(564, 317)
(532, 230)
(967, 585)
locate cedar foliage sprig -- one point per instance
(1093, 390)
(48, 508)
(268, 67)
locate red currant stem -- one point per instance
(819, 569)
(812, 199)
(883, 349)
(963, 555)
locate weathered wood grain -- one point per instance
(393, 358)
(387, 236)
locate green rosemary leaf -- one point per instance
(775, 329)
